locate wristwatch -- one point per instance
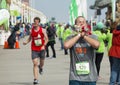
(79, 34)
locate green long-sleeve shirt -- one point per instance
(66, 33)
(101, 38)
(109, 39)
(60, 31)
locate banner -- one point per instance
(4, 16)
(3, 4)
(77, 8)
(113, 9)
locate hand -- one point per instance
(83, 34)
(43, 47)
(24, 43)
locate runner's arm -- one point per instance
(28, 40)
(93, 42)
(69, 43)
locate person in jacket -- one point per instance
(109, 43)
(59, 32)
(67, 31)
(100, 51)
(114, 53)
(51, 32)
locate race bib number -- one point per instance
(38, 42)
(82, 68)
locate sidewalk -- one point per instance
(16, 67)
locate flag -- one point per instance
(84, 8)
(77, 8)
(3, 4)
(73, 11)
(113, 9)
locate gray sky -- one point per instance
(60, 9)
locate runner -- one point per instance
(39, 40)
(82, 47)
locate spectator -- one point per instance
(51, 32)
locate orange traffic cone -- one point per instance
(17, 46)
(6, 44)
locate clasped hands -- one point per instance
(82, 34)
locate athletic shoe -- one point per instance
(35, 81)
(40, 70)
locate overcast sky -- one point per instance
(60, 9)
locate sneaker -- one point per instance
(50, 57)
(54, 56)
(47, 56)
(40, 70)
(35, 81)
(66, 53)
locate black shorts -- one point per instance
(38, 54)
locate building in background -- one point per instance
(15, 11)
(22, 10)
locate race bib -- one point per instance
(82, 68)
(38, 42)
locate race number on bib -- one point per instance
(38, 42)
(82, 68)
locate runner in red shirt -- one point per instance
(39, 40)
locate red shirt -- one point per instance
(35, 36)
(115, 48)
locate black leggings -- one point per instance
(98, 60)
(53, 50)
